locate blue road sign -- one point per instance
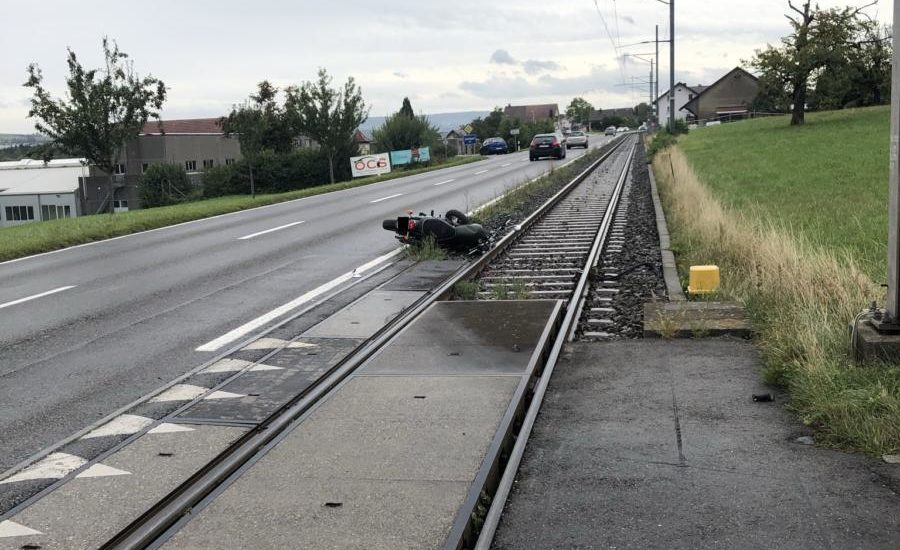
(470, 139)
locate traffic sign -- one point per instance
(514, 132)
(468, 128)
(470, 139)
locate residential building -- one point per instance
(683, 94)
(32, 190)
(363, 142)
(727, 98)
(533, 113)
(195, 144)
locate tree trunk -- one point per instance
(252, 185)
(331, 167)
(799, 109)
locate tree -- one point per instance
(579, 110)
(104, 108)
(164, 184)
(405, 130)
(489, 126)
(261, 125)
(642, 112)
(406, 109)
(327, 115)
(821, 45)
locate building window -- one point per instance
(190, 165)
(55, 211)
(229, 162)
(207, 164)
(119, 169)
(690, 97)
(120, 204)
(19, 213)
(144, 167)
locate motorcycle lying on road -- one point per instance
(452, 231)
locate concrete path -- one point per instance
(659, 444)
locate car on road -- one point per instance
(642, 128)
(494, 146)
(576, 139)
(547, 145)
(610, 131)
(623, 129)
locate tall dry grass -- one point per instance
(800, 299)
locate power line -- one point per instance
(611, 40)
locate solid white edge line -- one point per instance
(36, 296)
(480, 172)
(443, 182)
(242, 330)
(386, 198)
(258, 233)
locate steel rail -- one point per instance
(158, 521)
(492, 520)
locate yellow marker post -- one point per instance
(704, 279)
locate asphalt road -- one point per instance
(128, 314)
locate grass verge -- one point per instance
(800, 296)
(34, 238)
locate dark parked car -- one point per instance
(494, 146)
(547, 145)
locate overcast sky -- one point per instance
(446, 56)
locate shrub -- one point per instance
(165, 184)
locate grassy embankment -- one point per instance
(33, 238)
(796, 220)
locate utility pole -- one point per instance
(650, 105)
(656, 91)
(671, 64)
(891, 316)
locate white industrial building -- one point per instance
(32, 190)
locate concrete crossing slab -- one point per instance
(366, 316)
(86, 511)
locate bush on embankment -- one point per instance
(801, 298)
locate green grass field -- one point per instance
(34, 238)
(825, 181)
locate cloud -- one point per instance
(502, 57)
(498, 88)
(533, 66)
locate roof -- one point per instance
(361, 137)
(532, 112)
(696, 99)
(186, 126)
(697, 89)
(33, 177)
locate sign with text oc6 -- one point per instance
(370, 165)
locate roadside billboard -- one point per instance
(407, 156)
(370, 165)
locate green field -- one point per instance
(825, 181)
(34, 238)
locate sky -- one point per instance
(445, 56)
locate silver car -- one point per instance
(576, 139)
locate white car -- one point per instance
(576, 139)
(622, 129)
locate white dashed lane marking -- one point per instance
(258, 233)
(505, 165)
(386, 198)
(53, 466)
(36, 296)
(443, 182)
(125, 424)
(480, 172)
(12, 529)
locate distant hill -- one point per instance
(444, 121)
(11, 140)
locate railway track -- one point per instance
(553, 254)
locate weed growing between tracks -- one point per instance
(426, 249)
(519, 203)
(800, 298)
(34, 238)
